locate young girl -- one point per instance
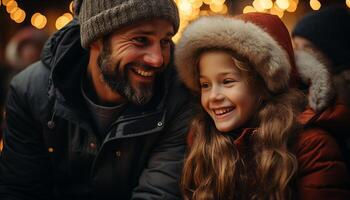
(247, 143)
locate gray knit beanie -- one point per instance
(101, 17)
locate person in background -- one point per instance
(247, 142)
(24, 47)
(103, 114)
(325, 34)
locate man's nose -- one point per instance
(154, 56)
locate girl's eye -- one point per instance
(228, 81)
(204, 85)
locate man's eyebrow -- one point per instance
(146, 32)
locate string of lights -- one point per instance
(189, 10)
(38, 20)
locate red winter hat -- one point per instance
(261, 38)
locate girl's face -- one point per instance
(225, 94)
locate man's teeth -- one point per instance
(144, 73)
(222, 111)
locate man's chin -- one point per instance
(140, 96)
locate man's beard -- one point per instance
(119, 81)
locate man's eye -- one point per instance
(141, 40)
(165, 42)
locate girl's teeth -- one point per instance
(222, 111)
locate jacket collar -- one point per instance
(334, 118)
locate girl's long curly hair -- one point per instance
(216, 169)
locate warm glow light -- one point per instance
(11, 6)
(348, 3)
(4, 2)
(21, 18)
(293, 4)
(71, 7)
(68, 15)
(216, 7)
(276, 7)
(185, 7)
(196, 3)
(33, 18)
(249, 9)
(194, 14)
(257, 6)
(21, 15)
(1, 141)
(38, 20)
(204, 13)
(207, 1)
(17, 14)
(217, 2)
(283, 4)
(176, 37)
(277, 11)
(61, 22)
(224, 10)
(315, 4)
(266, 4)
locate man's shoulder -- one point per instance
(30, 86)
(33, 78)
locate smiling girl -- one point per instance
(247, 142)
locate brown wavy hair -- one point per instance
(216, 169)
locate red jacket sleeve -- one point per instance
(322, 171)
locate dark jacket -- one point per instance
(52, 151)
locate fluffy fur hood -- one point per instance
(316, 75)
(244, 38)
(253, 42)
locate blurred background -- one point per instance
(49, 16)
(41, 18)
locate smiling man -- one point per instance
(103, 114)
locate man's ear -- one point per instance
(96, 45)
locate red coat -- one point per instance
(322, 173)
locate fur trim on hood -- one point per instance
(244, 38)
(316, 75)
(269, 53)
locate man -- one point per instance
(104, 122)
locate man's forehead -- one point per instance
(150, 27)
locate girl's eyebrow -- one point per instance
(223, 74)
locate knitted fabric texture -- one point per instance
(101, 17)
